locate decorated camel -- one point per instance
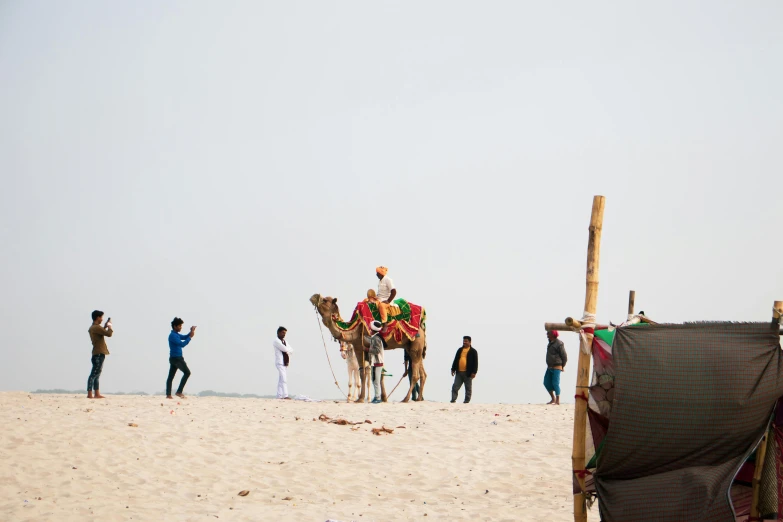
(406, 330)
(347, 353)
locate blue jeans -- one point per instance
(177, 363)
(552, 381)
(95, 374)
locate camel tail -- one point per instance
(424, 352)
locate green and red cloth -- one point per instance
(405, 324)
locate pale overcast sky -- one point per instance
(223, 161)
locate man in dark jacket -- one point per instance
(556, 359)
(464, 369)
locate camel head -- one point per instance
(326, 306)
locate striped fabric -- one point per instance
(691, 402)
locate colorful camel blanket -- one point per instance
(404, 320)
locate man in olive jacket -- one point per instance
(464, 369)
(556, 359)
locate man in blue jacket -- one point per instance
(177, 342)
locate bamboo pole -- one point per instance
(561, 327)
(761, 450)
(564, 327)
(632, 319)
(583, 370)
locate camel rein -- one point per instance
(327, 355)
(398, 383)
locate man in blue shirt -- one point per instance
(177, 342)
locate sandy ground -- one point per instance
(68, 458)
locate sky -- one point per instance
(223, 161)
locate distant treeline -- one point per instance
(205, 393)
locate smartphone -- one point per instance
(108, 320)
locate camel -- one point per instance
(347, 353)
(417, 349)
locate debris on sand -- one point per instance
(341, 422)
(382, 430)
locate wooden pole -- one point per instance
(632, 319)
(561, 327)
(564, 327)
(583, 370)
(761, 451)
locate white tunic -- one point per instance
(279, 349)
(385, 286)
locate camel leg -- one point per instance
(365, 380)
(362, 375)
(383, 385)
(417, 359)
(349, 384)
(410, 388)
(416, 369)
(412, 379)
(423, 379)
(419, 376)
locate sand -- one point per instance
(68, 458)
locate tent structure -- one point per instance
(683, 419)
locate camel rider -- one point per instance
(386, 292)
(374, 346)
(383, 308)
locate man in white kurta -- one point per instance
(282, 352)
(386, 291)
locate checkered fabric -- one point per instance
(691, 403)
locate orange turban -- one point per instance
(382, 270)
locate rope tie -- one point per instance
(582, 473)
(588, 327)
(581, 396)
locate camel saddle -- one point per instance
(402, 322)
